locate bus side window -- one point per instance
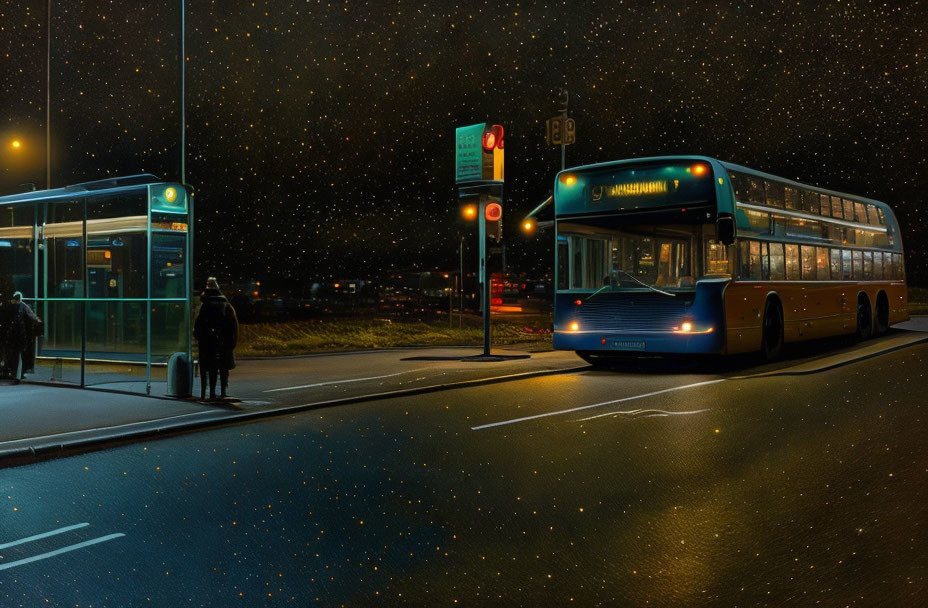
(822, 270)
(868, 265)
(836, 208)
(836, 274)
(808, 263)
(777, 262)
(792, 262)
(810, 201)
(848, 209)
(878, 265)
(858, 264)
(846, 269)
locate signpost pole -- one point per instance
(484, 279)
(563, 130)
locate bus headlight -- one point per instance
(574, 326)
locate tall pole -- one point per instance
(461, 285)
(563, 128)
(484, 275)
(183, 93)
(48, 97)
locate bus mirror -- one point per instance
(725, 225)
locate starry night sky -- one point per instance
(320, 134)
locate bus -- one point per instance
(689, 254)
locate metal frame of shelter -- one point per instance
(87, 270)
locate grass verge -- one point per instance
(302, 337)
(918, 300)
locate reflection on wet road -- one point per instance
(785, 489)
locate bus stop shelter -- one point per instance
(107, 267)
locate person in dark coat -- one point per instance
(19, 323)
(216, 332)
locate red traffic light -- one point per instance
(493, 212)
(492, 138)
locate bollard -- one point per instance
(180, 382)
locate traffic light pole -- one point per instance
(484, 279)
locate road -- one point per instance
(792, 484)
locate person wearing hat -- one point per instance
(216, 332)
(19, 323)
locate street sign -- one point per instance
(468, 153)
(560, 131)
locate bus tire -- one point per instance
(881, 319)
(771, 346)
(864, 317)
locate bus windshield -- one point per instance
(592, 255)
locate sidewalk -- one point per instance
(38, 420)
(41, 421)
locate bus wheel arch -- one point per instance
(864, 316)
(772, 328)
(881, 316)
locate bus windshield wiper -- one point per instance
(642, 283)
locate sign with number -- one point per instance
(560, 131)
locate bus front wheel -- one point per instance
(772, 343)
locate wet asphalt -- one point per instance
(679, 485)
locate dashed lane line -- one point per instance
(29, 539)
(331, 382)
(41, 556)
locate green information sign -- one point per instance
(468, 153)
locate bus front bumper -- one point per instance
(653, 342)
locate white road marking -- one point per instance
(293, 388)
(604, 403)
(36, 558)
(643, 414)
(29, 539)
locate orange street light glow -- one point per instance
(469, 211)
(16, 143)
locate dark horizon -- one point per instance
(320, 139)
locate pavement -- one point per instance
(43, 420)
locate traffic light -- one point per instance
(493, 214)
(492, 144)
(469, 211)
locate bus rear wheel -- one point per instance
(864, 318)
(772, 342)
(881, 320)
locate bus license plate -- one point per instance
(627, 344)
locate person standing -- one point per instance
(216, 332)
(19, 323)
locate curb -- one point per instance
(74, 442)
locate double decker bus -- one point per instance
(689, 254)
